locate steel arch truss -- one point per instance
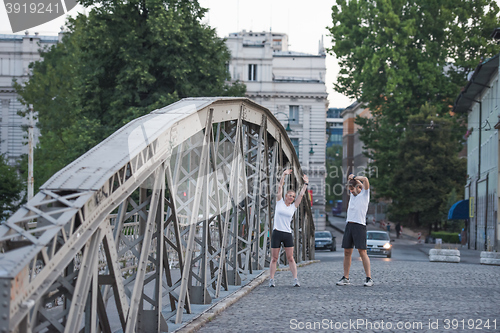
(182, 217)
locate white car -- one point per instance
(378, 242)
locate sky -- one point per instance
(305, 25)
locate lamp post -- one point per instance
(288, 129)
(31, 179)
(311, 152)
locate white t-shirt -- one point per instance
(358, 206)
(283, 216)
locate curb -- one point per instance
(197, 322)
(209, 314)
(421, 248)
(337, 228)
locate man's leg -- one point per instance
(347, 262)
(366, 262)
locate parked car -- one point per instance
(378, 242)
(324, 240)
(337, 207)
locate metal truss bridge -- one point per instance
(165, 213)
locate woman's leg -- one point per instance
(274, 260)
(291, 261)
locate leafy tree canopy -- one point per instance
(334, 176)
(120, 62)
(11, 187)
(430, 168)
(398, 54)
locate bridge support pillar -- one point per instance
(148, 323)
(233, 278)
(199, 295)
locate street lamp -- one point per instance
(288, 129)
(311, 152)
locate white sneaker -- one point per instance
(271, 283)
(296, 282)
(343, 281)
(369, 282)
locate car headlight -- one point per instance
(387, 245)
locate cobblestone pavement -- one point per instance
(406, 297)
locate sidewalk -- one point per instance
(203, 314)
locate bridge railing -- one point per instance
(167, 212)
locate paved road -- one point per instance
(410, 294)
(403, 248)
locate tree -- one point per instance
(11, 187)
(432, 169)
(397, 55)
(120, 62)
(53, 89)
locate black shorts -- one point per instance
(279, 237)
(354, 236)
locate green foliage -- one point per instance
(120, 62)
(334, 173)
(447, 237)
(429, 168)
(398, 52)
(11, 187)
(397, 55)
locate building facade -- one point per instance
(292, 86)
(354, 161)
(334, 127)
(480, 101)
(16, 53)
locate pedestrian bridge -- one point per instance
(166, 212)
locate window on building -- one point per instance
(295, 143)
(293, 114)
(252, 72)
(336, 138)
